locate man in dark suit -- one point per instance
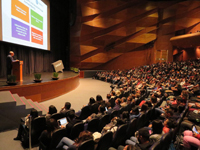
(10, 60)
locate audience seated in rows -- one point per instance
(163, 88)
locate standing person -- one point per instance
(10, 60)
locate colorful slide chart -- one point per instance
(21, 30)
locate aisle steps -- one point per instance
(13, 107)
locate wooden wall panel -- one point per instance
(129, 60)
(108, 31)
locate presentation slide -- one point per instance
(24, 22)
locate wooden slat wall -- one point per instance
(108, 31)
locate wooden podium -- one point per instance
(17, 70)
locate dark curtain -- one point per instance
(36, 60)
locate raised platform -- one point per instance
(45, 90)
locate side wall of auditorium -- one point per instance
(119, 34)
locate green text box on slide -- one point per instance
(36, 19)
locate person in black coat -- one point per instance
(9, 61)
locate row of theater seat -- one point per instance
(124, 131)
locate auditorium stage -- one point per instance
(45, 90)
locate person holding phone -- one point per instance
(191, 138)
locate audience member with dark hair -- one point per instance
(101, 110)
(144, 108)
(169, 124)
(91, 101)
(108, 97)
(52, 110)
(157, 130)
(125, 117)
(153, 100)
(67, 143)
(99, 99)
(72, 121)
(46, 135)
(25, 122)
(141, 140)
(149, 104)
(65, 108)
(134, 113)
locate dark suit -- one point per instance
(9, 61)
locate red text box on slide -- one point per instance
(36, 36)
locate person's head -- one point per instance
(148, 103)
(168, 112)
(143, 135)
(71, 114)
(52, 124)
(34, 113)
(179, 99)
(144, 108)
(170, 123)
(153, 99)
(157, 126)
(181, 108)
(125, 115)
(83, 136)
(129, 100)
(123, 99)
(184, 94)
(108, 96)
(99, 98)
(67, 105)
(113, 93)
(52, 109)
(101, 108)
(135, 111)
(117, 101)
(11, 53)
(92, 101)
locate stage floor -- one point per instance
(46, 77)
